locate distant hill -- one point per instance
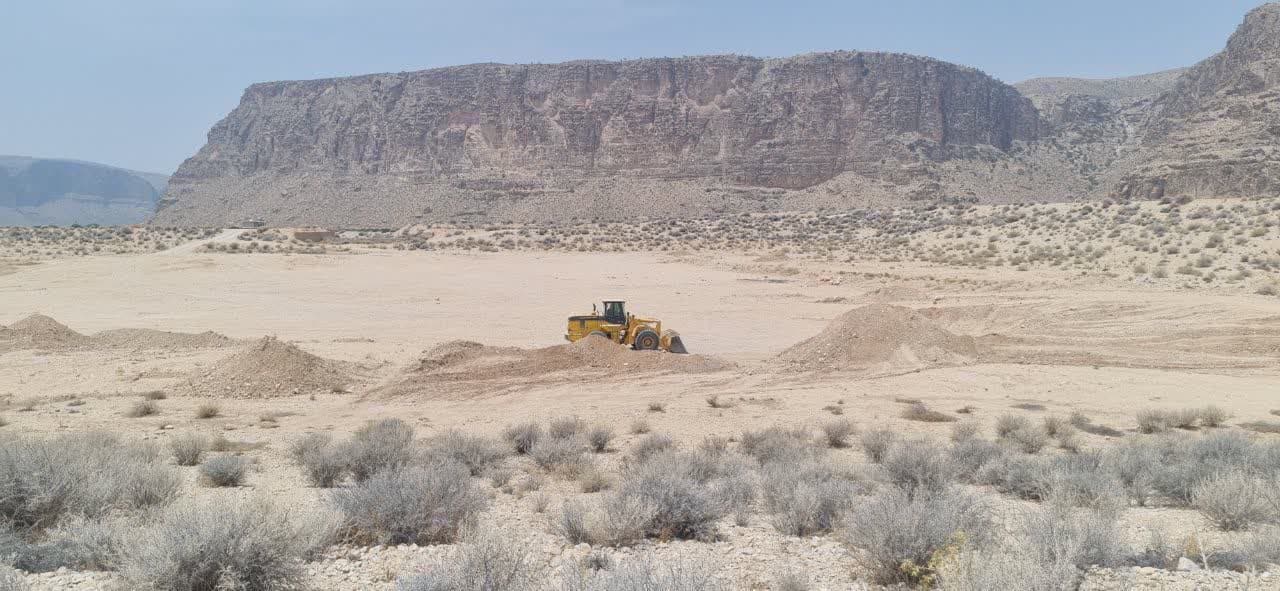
(41, 191)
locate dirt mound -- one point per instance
(467, 362)
(145, 338)
(269, 368)
(38, 331)
(897, 293)
(881, 337)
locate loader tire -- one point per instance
(646, 340)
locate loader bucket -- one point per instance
(671, 342)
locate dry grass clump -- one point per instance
(656, 406)
(876, 443)
(475, 452)
(566, 456)
(155, 395)
(599, 438)
(1007, 424)
(222, 544)
(640, 427)
(223, 471)
(377, 446)
(485, 562)
(965, 431)
(522, 436)
(714, 401)
(837, 433)
(188, 448)
(1028, 439)
(920, 412)
(919, 468)
(807, 496)
(208, 411)
(1159, 420)
(1262, 426)
(421, 504)
(900, 536)
(651, 445)
(142, 408)
(89, 475)
(1234, 500)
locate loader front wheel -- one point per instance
(646, 340)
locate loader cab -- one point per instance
(615, 312)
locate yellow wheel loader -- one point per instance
(623, 328)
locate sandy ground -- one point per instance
(1102, 351)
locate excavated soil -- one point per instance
(881, 337)
(38, 331)
(42, 333)
(468, 362)
(269, 368)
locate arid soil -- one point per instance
(284, 344)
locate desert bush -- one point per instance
(680, 490)
(920, 412)
(142, 408)
(12, 580)
(224, 471)
(377, 446)
(805, 498)
(791, 580)
(427, 504)
(223, 544)
(1233, 500)
(486, 562)
(1258, 549)
(969, 456)
(155, 395)
(593, 479)
(1213, 416)
(774, 443)
(566, 456)
(876, 443)
(188, 448)
(965, 431)
(1134, 463)
(837, 433)
(656, 406)
(1056, 425)
(475, 452)
(900, 536)
(1081, 481)
(207, 411)
(919, 468)
(1030, 439)
(43, 481)
(574, 524)
(646, 574)
(1007, 424)
(1155, 421)
(566, 427)
(522, 436)
(714, 401)
(599, 438)
(77, 543)
(324, 464)
(651, 445)
(640, 427)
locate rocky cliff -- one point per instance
(686, 136)
(1217, 131)
(719, 134)
(36, 191)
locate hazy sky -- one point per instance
(138, 83)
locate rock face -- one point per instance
(37, 191)
(1217, 131)
(721, 134)
(587, 138)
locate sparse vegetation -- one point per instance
(220, 471)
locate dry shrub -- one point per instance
(188, 448)
(599, 438)
(427, 504)
(223, 471)
(43, 481)
(475, 452)
(522, 436)
(142, 408)
(486, 562)
(919, 468)
(379, 445)
(207, 411)
(223, 544)
(837, 433)
(1007, 424)
(876, 443)
(1234, 500)
(900, 536)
